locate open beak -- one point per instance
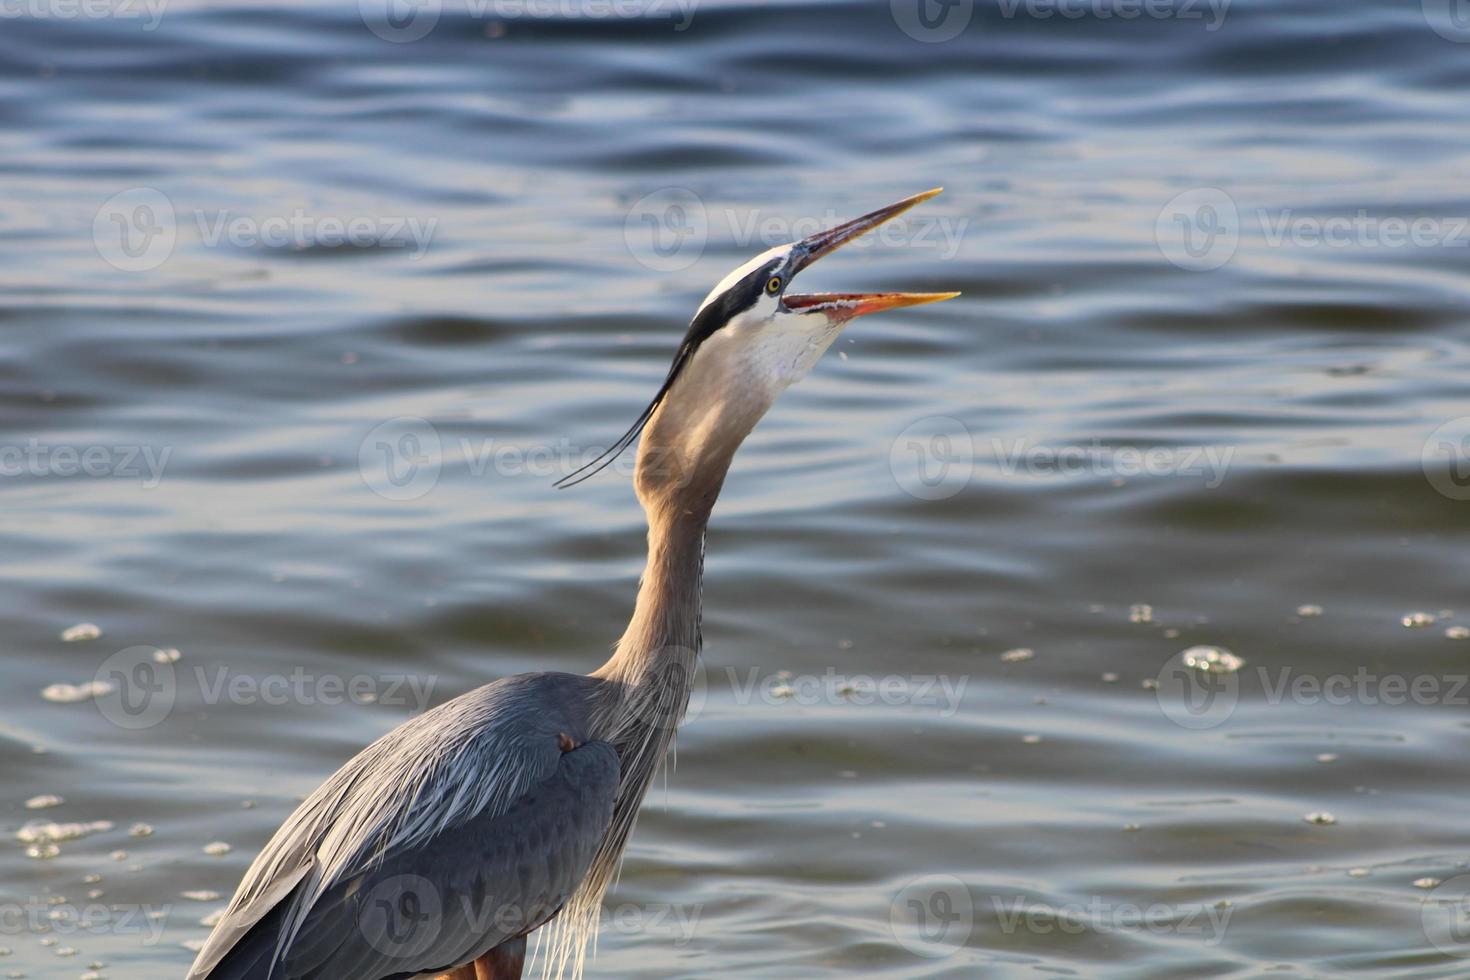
(848, 305)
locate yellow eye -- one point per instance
(773, 285)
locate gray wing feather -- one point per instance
(466, 890)
(414, 795)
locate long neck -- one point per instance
(652, 670)
(648, 679)
(651, 673)
(663, 640)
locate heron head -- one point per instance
(750, 339)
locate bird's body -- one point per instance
(441, 846)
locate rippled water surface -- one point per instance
(321, 471)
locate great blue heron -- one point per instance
(438, 848)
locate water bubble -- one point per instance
(1017, 655)
(1309, 611)
(140, 830)
(1426, 883)
(1321, 818)
(1418, 619)
(200, 895)
(1457, 632)
(217, 848)
(1141, 612)
(43, 831)
(1327, 757)
(1212, 660)
(80, 633)
(44, 802)
(75, 693)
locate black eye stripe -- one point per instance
(739, 297)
